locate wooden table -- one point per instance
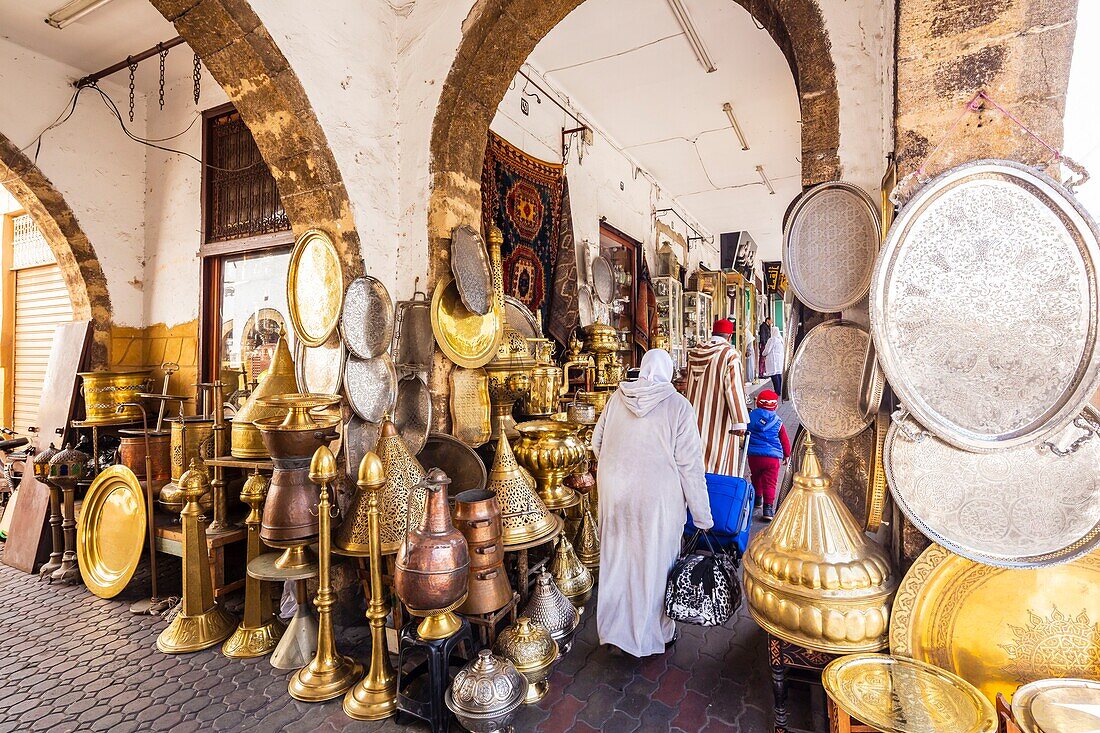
(226, 551)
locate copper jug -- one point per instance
(434, 561)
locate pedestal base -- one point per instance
(299, 642)
(68, 573)
(367, 703)
(46, 571)
(318, 682)
(439, 626)
(193, 633)
(255, 642)
(435, 673)
(536, 692)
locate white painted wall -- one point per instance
(1083, 105)
(98, 170)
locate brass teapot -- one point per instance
(549, 382)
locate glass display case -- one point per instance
(670, 316)
(698, 318)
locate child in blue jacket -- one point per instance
(768, 447)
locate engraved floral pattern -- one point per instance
(825, 379)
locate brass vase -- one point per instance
(570, 575)
(549, 607)
(524, 517)
(529, 646)
(191, 437)
(433, 564)
(551, 450)
(813, 578)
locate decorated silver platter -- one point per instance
(1058, 706)
(603, 280)
(320, 369)
(586, 312)
(521, 318)
(470, 265)
(413, 412)
(825, 380)
(366, 323)
(371, 386)
(1021, 507)
(984, 306)
(829, 245)
(360, 437)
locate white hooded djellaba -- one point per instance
(650, 472)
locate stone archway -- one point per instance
(75, 255)
(243, 58)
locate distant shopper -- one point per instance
(650, 472)
(763, 333)
(774, 354)
(768, 447)
(716, 389)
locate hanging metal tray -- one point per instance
(471, 410)
(366, 323)
(413, 412)
(467, 339)
(459, 461)
(320, 369)
(360, 437)
(1016, 508)
(413, 342)
(1058, 706)
(520, 317)
(110, 532)
(586, 311)
(825, 378)
(829, 245)
(999, 628)
(985, 308)
(470, 265)
(603, 280)
(314, 287)
(371, 386)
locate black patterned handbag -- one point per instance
(702, 586)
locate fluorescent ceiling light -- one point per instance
(765, 180)
(728, 109)
(73, 11)
(692, 34)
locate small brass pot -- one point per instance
(529, 646)
(106, 392)
(131, 453)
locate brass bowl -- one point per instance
(551, 450)
(295, 443)
(529, 646)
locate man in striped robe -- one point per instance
(716, 388)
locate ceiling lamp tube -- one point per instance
(692, 34)
(73, 11)
(765, 180)
(728, 109)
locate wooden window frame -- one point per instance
(637, 253)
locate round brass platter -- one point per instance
(467, 339)
(904, 696)
(999, 628)
(1058, 706)
(314, 288)
(110, 532)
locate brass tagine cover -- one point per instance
(813, 578)
(278, 379)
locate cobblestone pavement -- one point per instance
(73, 662)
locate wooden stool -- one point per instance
(487, 623)
(1006, 721)
(226, 550)
(841, 722)
(790, 662)
(429, 705)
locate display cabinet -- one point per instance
(698, 318)
(670, 316)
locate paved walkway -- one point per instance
(73, 662)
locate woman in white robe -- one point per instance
(650, 472)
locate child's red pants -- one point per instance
(765, 476)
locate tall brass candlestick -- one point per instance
(221, 447)
(260, 629)
(330, 673)
(375, 697)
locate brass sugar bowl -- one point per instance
(551, 450)
(528, 645)
(486, 694)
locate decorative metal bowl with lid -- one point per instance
(486, 693)
(549, 607)
(528, 645)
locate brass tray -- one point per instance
(314, 288)
(413, 343)
(878, 486)
(360, 437)
(520, 317)
(366, 321)
(988, 266)
(829, 245)
(371, 386)
(110, 532)
(459, 461)
(1016, 508)
(825, 378)
(320, 369)
(470, 265)
(999, 628)
(471, 410)
(412, 414)
(904, 696)
(1058, 706)
(467, 339)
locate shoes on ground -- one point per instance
(769, 513)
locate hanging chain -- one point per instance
(196, 76)
(163, 56)
(133, 69)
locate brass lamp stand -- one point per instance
(260, 629)
(221, 522)
(330, 673)
(201, 622)
(375, 696)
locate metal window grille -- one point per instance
(30, 248)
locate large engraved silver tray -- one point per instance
(826, 374)
(470, 265)
(413, 412)
(1021, 507)
(371, 386)
(366, 323)
(984, 306)
(320, 369)
(521, 318)
(829, 246)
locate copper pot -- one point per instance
(477, 516)
(489, 590)
(433, 562)
(486, 554)
(131, 453)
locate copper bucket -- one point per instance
(131, 453)
(477, 516)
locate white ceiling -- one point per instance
(101, 38)
(628, 66)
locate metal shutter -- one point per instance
(41, 303)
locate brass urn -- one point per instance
(549, 607)
(551, 450)
(571, 576)
(524, 516)
(813, 578)
(603, 342)
(549, 382)
(433, 564)
(528, 645)
(486, 693)
(277, 380)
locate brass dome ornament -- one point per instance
(525, 519)
(279, 379)
(549, 607)
(573, 579)
(813, 578)
(588, 539)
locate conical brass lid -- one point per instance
(588, 539)
(403, 474)
(523, 514)
(573, 579)
(277, 380)
(813, 578)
